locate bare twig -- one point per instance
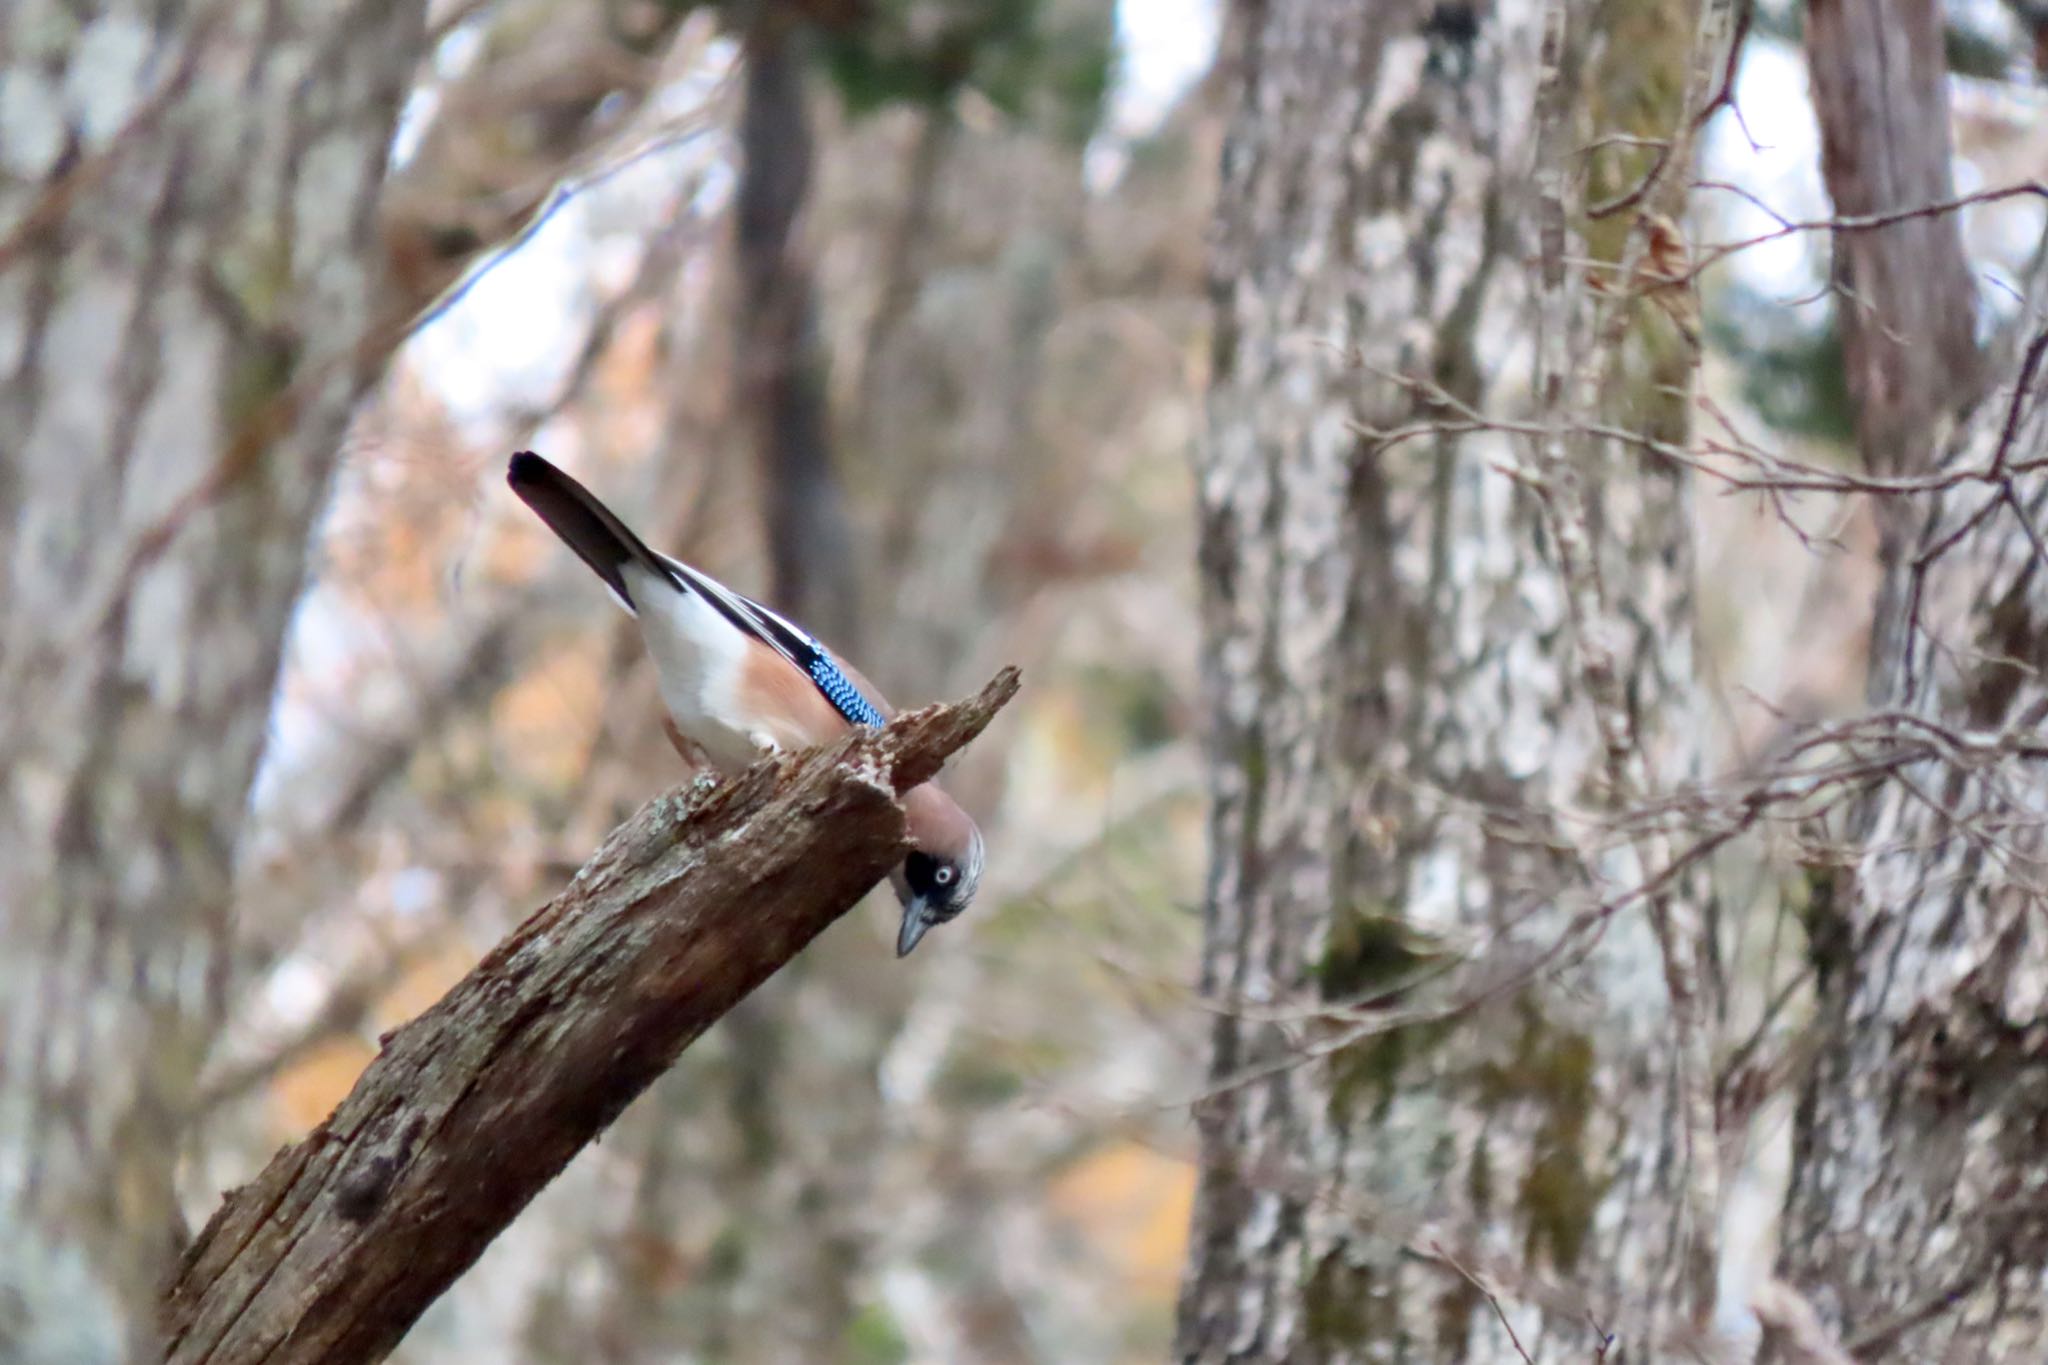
(1797, 1327)
(1867, 222)
(1436, 1249)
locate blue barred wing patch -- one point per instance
(844, 696)
(785, 638)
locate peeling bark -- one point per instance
(336, 1248)
(188, 269)
(1406, 769)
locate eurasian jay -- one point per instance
(741, 682)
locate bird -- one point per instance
(741, 682)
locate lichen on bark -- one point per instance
(1400, 727)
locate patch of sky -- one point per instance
(1163, 47)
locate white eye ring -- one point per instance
(944, 876)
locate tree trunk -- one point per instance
(780, 357)
(187, 272)
(1403, 698)
(1911, 1224)
(1906, 298)
(1913, 1221)
(971, 267)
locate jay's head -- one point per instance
(937, 879)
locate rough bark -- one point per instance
(336, 1248)
(187, 271)
(1404, 682)
(1914, 1222)
(1904, 292)
(1911, 1222)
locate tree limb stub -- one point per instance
(470, 1109)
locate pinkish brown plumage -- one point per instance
(740, 682)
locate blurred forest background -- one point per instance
(897, 314)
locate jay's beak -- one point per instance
(917, 918)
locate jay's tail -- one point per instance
(585, 525)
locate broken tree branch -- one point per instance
(346, 1237)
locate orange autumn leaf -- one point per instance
(1132, 1204)
(307, 1091)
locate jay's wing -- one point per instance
(866, 688)
(851, 695)
(609, 546)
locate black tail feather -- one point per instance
(585, 525)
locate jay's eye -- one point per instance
(944, 876)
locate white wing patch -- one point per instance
(786, 638)
(790, 641)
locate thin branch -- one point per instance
(1796, 1326)
(1436, 1249)
(1866, 222)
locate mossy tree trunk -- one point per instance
(1406, 770)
